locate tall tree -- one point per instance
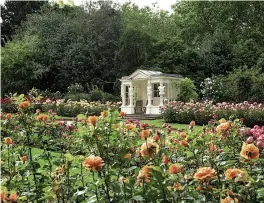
(13, 13)
(74, 45)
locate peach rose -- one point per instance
(93, 163)
(205, 173)
(235, 173)
(92, 120)
(228, 199)
(148, 149)
(249, 151)
(175, 168)
(144, 175)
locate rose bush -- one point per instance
(111, 159)
(61, 107)
(180, 112)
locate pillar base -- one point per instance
(128, 109)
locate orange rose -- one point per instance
(165, 160)
(138, 152)
(59, 170)
(42, 117)
(3, 196)
(23, 158)
(129, 126)
(177, 186)
(145, 134)
(128, 156)
(13, 197)
(8, 140)
(204, 173)
(115, 126)
(156, 138)
(104, 114)
(174, 141)
(144, 175)
(249, 151)
(148, 149)
(9, 116)
(223, 127)
(183, 134)
(212, 147)
(93, 163)
(235, 173)
(192, 123)
(24, 104)
(228, 199)
(184, 143)
(92, 120)
(175, 168)
(122, 114)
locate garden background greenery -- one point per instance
(48, 47)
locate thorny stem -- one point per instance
(95, 188)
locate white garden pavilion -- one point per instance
(146, 91)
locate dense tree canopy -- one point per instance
(13, 13)
(100, 42)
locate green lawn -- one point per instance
(159, 122)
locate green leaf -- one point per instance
(81, 116)
(20, 96)
(80, 193)
(226, 149)
(69, 157)
(138, 198)
(189, 154)
(260, 193)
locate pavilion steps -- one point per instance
(143, 116)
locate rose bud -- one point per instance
(250, 140)
(260, 144)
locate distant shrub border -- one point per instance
(73, 108)
(180, 112)
(62, 107)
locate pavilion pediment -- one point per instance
(138, 75)
(142, 74)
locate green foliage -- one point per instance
(75, 88)
(244, 84)
(71, 108)
(73, 45)
(77, 96)
(187, 90)
(13, 13)
(97, 44)
(18, 72)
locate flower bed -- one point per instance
(73, 108)
(202, 112)
(103, 159)
(61, 107)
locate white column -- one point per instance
(161, 93)
(149, 94)
(131, 94)
(168, 90)
(123, 94)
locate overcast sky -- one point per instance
(161, 4)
